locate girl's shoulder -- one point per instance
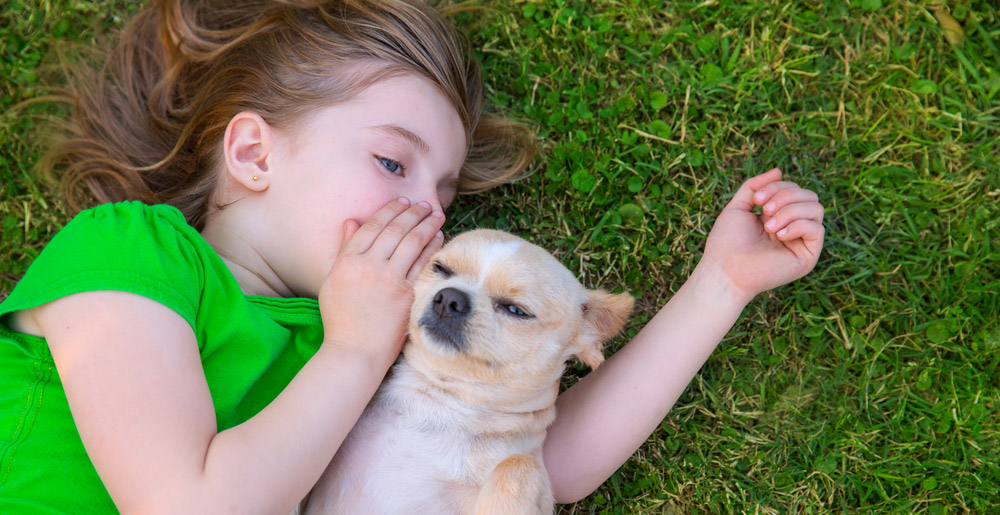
(147, 239)
(145, 249)
(128, 219)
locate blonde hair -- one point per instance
(149, 124)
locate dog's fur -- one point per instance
(458, 425)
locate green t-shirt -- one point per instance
(251, 347)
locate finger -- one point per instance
(413, 244)
(782, 192)
(743, 199)
(366, 235)
(350, 227)
(768, 190)
(398, 229)
(786, 196)
(425, 257)
(810, 232)
(799, 211)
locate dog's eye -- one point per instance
(443, 270)
(516, 310)
(513, 310)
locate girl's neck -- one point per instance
(248, 266)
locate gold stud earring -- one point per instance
(254, 178)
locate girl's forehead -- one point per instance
(406, 108)
(408, 97)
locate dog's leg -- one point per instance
(518, 485)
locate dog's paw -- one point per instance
(518, 485)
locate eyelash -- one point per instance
(443, 270)
(511, 309)
(386, 162)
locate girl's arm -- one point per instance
(133, 378)
(134, 381)
(606, 416)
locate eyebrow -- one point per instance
(399, 132)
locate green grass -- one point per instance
(870, 386)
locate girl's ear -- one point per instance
(247, 147)
(604, 314)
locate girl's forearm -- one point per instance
(132, 374)
(607, 415)
(284, 449)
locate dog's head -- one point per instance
(495, 313)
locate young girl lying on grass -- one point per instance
(206, 346)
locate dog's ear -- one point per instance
(604, 314)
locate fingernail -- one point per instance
(783, 232)
(769, 207)
(423, 203)
(771, 223)
(760, 196)
(437, 214)
(404, 201)
(439, 235)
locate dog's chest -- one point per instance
(413, 452)
(437, 437)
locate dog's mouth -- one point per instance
(448, 337)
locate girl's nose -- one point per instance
(429, 195)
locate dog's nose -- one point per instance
(451, 303)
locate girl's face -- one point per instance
(400, 137)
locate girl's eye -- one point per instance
(393, 167)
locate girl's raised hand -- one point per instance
(782, 244)
(366, 299)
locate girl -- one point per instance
(207, 345)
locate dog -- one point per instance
(458, 424)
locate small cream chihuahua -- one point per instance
(458, 424)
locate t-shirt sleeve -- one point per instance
(130, 247)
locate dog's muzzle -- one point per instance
(445, 319)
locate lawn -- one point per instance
(870, 386)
